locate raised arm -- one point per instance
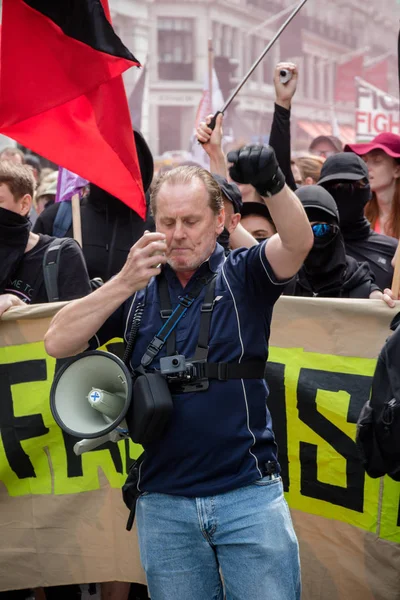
(75, 324)
(280, 129)
(286, 250)
(212, 144)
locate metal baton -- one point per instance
(211, 125)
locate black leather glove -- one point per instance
(257, 165)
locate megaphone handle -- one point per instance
(87, 445)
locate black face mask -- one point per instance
(351, 204)
(223, 239)
(325, 266)
(14, 235)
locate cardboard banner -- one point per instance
(376, 112)
(62, 517)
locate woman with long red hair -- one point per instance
(382, 157)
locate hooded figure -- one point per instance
(109, 227)
(345, 177)
(327, 270)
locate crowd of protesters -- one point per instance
(351, 196)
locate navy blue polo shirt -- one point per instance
(218, 439)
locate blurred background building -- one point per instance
(170, 38)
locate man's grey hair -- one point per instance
(186, 175)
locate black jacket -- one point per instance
(378, 250)
(378, 426)
(358, 282)
(109, 230)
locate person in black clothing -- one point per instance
(328, 271)
(22, 252)
(361, 242)
(345, 177)
(280, 128)
(109, 227)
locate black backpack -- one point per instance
(51, 262)
(378, 426)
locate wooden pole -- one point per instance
(396, 275)
(210, 74)
(76, 218)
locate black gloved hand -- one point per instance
(257, 165)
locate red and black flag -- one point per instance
(62, 94)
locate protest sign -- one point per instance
(376, 112)
(62, 517)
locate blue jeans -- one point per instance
(245, 535)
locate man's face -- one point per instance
(183, 213)
(259, 227)
(21, 206)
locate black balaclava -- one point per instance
(337, 171)
(351, 204)
(324, 268)
(14, 235)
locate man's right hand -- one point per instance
(211, 138)
(144, 261)
(9, 300)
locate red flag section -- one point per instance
(62, 94)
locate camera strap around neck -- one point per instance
(185, 302)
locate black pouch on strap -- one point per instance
(150, 409)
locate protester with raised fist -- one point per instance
(211, 515)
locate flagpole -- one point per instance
(76, 218)
(211, 125)
(210, 73)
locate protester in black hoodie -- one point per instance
(345, 177)
(109, 227)
(327, 270)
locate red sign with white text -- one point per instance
(376, 112)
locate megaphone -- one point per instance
(90, 397)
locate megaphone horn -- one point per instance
(91, 394)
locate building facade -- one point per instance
(171, 37)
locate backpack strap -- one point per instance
(51, 261)
(63, 220)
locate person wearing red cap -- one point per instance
(382, 157)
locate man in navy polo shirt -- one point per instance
(212, 499)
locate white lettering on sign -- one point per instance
(376, 112)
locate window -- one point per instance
(175, 49)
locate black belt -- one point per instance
(223, 371)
